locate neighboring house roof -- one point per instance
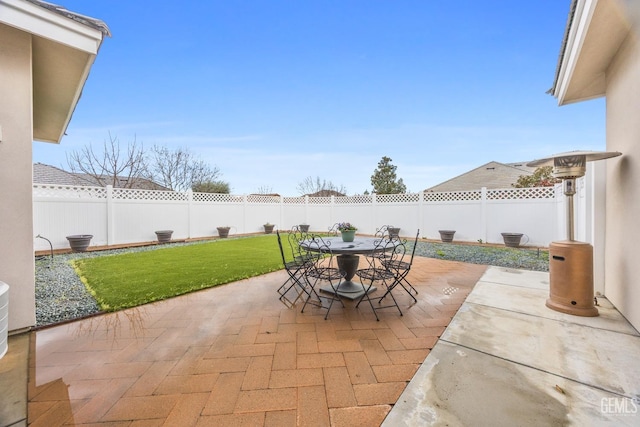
(47, 174)
(490, 175)
(64, 46)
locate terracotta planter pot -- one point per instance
(223, 232)
(164, 236)
(79, 242)
(446, 235)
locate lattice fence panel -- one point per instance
(354, 200)
(261, 198)
(319, 200)
(521, 193)
(452, 196)
(69, 191)
(217, 198)
(398, 198)
(293, 200)
(147, 195)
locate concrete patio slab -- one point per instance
(589, 355)
(506, 359)
(516, 277)
(458, 386)
(530, 300)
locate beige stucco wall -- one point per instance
(16, 235)
(622, 261)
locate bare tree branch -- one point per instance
(265, 189)
(311, 186)
(180, 169)
(112, 165)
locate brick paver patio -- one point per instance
(235, 355)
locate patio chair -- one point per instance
(320, 269)
(298, 253)
(333, 230)
(377, 272)
(382, 232)
(400, 266)
(296, 282)
(387, 231)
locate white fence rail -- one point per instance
(121, 216)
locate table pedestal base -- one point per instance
(348, 289)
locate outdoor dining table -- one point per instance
(348, 259)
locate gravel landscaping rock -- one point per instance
(521, 258)
(61, 295)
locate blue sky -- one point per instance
(274, 91)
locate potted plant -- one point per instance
(164, 236)
(348, 231)
(446, 235)
(394, 232)
(512, 240)
(223, 232)
(268, 228)
(304, 227)
(79, 242)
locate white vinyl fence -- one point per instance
(122, 216)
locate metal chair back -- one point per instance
(295, 281)
(333, 230)
(400, 265)
(376, 271)
(322, 268)
(382, 232)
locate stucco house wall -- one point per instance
(600, 56)
(622, 260)
(16, 236)
(46, 53)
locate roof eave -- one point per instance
(64, 48)
(54, 23)
(595, 29)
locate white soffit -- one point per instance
(63, 51)
(597, 30)
(59, 74)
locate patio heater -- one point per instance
(571, 262)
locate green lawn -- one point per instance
(132, 279)
(129, 280)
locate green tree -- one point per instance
(541, 177)
(220, 187)
(384, 178)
